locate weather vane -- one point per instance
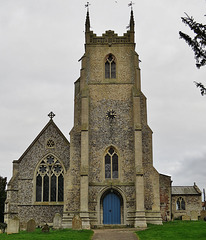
(87, 6)
(51, 115)
(130, 5)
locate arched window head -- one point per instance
(110, 66)
(111, 164)
(180, 204)
(50, 180)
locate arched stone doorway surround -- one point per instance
(102, 194)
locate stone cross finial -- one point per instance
(51, 115)
(130, 5)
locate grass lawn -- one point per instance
(177, 230)
(52, 235)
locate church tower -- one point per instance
(111, 178)
(105, 174)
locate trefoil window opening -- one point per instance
(50, 143)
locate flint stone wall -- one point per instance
(192, 203)
(41, 214)
(28, 163)
(95, 60)
(21, 187)
(165, 197)
(104, 132)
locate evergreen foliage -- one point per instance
(2, 197)
(202, 88)
(197, 43)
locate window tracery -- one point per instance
(111, 164)
(50, 180)
(110, 66)
(180, 204)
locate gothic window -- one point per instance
(180, 204)
(50, 180)
(110, 67)
(111, 163)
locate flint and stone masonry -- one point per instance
(105, 174)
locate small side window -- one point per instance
(180, 205)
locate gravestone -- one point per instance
(13, 226)
(1, 231)
(31, 225)
(45, 228)
(194, 215)
(185, 218)
(76, 222)
(57, 221)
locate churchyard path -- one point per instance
(114, 234)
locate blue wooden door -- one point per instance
(111, 209)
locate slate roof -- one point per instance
(185, 190)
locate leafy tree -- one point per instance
(197, 43)
(2, 197)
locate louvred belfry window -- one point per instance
(50, 180)
(111, 163)
(110, 67)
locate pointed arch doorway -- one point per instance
(112, 208)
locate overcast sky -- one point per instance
(41, 42)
